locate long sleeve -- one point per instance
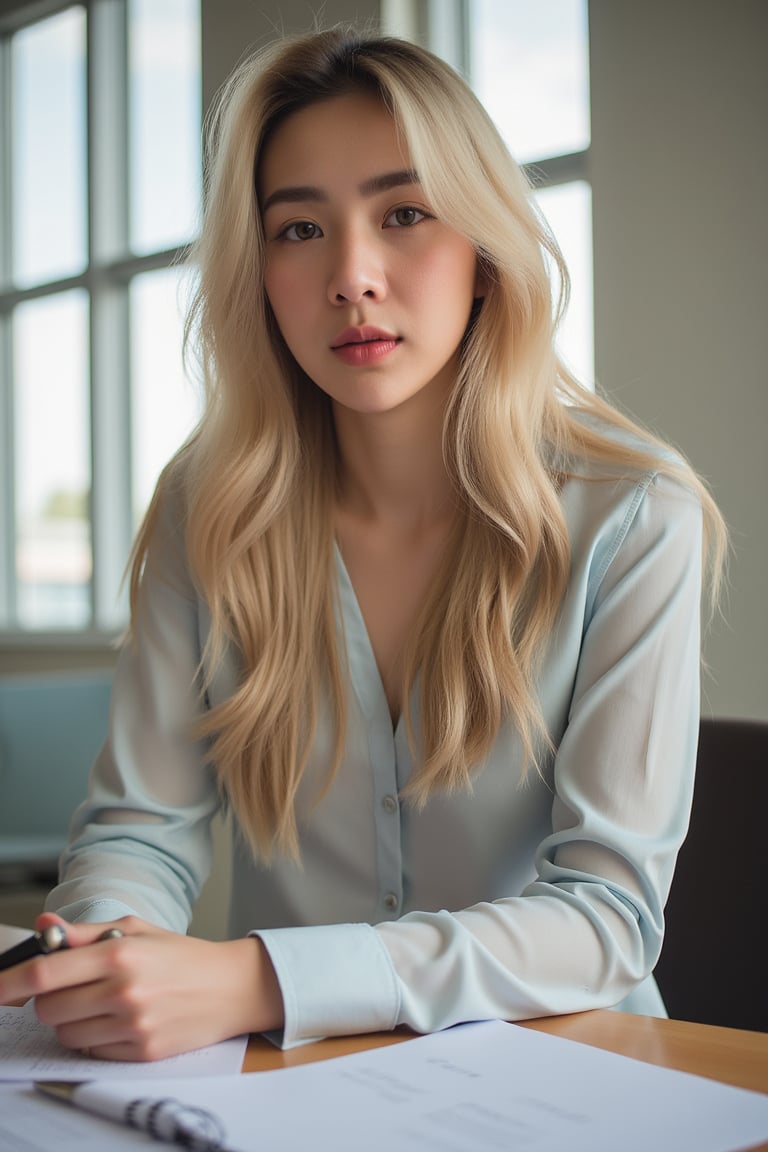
(140, 843)
(587, 929)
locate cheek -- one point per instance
(289, 290)
(277, 288)
(449, 276)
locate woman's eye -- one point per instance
(404, 217)
(301, 230)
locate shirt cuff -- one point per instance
(335, 980)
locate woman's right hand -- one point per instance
(148, 994)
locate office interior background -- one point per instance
(675, 166)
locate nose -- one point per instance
(357, 272)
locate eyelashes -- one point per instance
(299, 230)
(412, 216)
(404, 216)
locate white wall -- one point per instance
(233, 27)
(680, 185)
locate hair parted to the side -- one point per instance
(258, 476)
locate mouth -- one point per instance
(364, 345)
(366, 334)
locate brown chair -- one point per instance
(713, 967)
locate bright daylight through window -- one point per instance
(101, 143)
(529, 64)
(101, 137)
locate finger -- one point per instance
(48, 919)
(89, 983)
(78, 934)
(103, 1038)
(120, 1052)
(89, 1033)
(117, 1037)
(138, 1050)
(85, 1000)
(63, 971)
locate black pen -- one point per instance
(52, 939)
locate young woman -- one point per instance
(420, 610)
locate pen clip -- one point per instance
(60, 1089)
(52, 939)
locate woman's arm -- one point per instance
(140, 843)
(588, 930)
(140, 846)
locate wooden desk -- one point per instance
(726, 1054)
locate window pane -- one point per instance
(164, 110)
(165, 407)
(530, 67)
(568, 210)
(49, 148)
(53, 543)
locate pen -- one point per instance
(52, 939)
(163, 1118)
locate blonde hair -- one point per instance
(258, 477)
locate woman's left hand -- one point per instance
(149, 993)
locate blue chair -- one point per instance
(51, 728)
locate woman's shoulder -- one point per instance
(612, 472)
(603, 444)
(165, 530)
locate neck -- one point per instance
(392, 469)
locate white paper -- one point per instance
(29, 1050)
(489, 1087)
(10, 936)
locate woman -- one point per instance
(418, 608)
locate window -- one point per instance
(528, 61)
(529, 64)
(100, 141)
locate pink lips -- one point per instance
(364, 345)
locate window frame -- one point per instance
(106, 279)
(445, 26)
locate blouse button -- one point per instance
(390, 901)
(390, 804)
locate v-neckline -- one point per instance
(368, 686)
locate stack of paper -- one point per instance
(489, 1087)
(30, 1051)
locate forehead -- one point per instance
(346, 138)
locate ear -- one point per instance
(482, 280)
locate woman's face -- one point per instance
(372, 294)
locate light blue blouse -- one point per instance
(518, 899)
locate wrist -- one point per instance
(262, 1001)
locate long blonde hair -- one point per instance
(258, 476)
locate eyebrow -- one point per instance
(303, 192)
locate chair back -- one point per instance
(51, 728)
(713, 965)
